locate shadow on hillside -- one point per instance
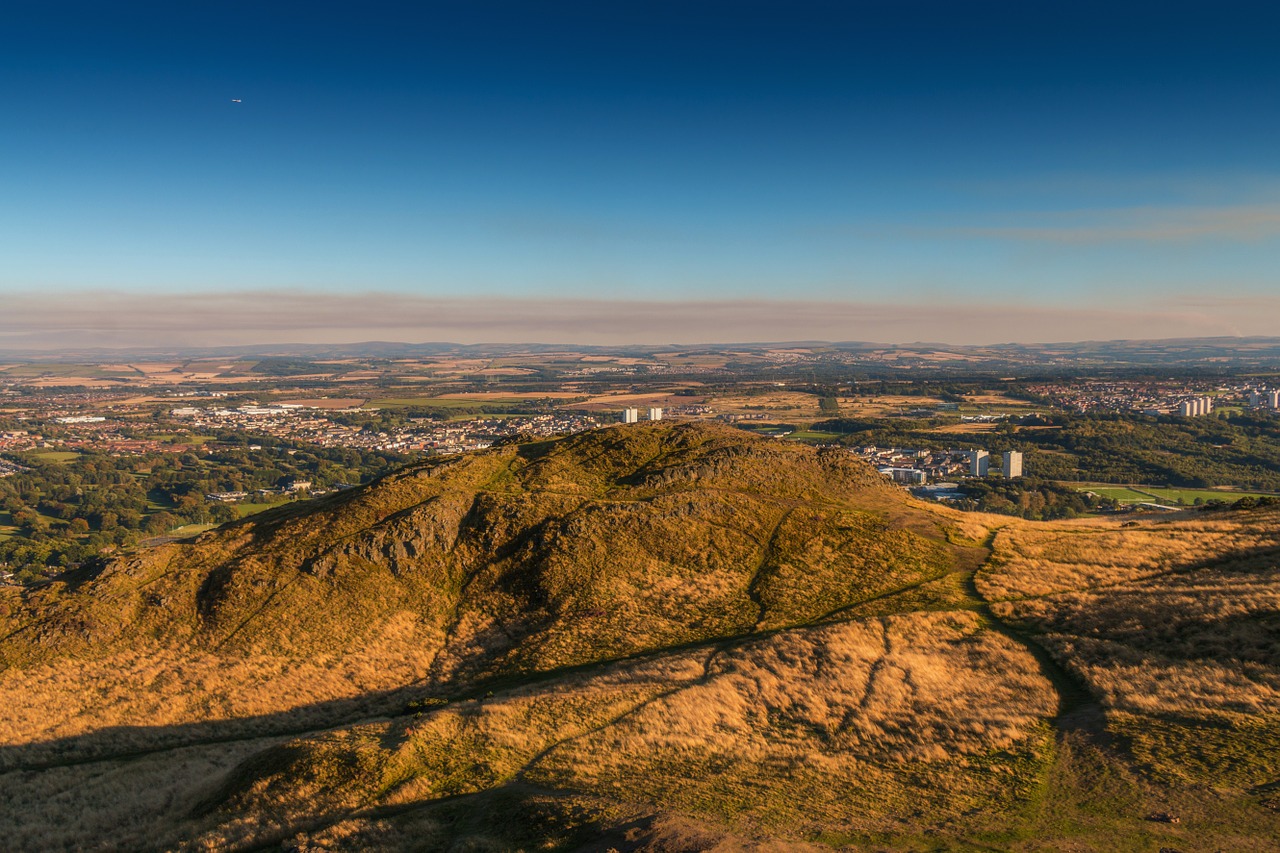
(122, 743)
(132, 742)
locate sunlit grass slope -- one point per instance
(523, 559)
(652, 637)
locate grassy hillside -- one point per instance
(524, 559)
(661, 637)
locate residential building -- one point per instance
(1195, 406)
(1012, 464)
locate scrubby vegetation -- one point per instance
(65, 509)
(1030, 497)
(651, 637)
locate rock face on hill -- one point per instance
(659, 637)
(526, 558)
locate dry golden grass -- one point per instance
(760, 729)
(1042, 559)
(463, 748)
(133, 693)
(969, 528)
(966, 428)
(140, 804)
(1198, 643)
(922, 687)
(1174, 625)
(838, 728)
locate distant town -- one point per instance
(96, 456)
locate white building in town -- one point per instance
(1195, 407)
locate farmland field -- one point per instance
(437, 402)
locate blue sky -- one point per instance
(908, 153)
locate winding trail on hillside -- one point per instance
(1078, 709)
(758, 576)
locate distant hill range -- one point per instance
(1215, 354)
(651, 636)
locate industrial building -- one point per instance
(907, 476)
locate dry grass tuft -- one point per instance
(1042, 559)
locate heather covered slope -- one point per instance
(523, 559)
(652, 637)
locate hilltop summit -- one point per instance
(524, 558)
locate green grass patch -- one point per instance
(1189, 496)
(248, 509)
(813, 435)
(1160, 494)
(59, 456)
(1119, 493)
(191, 529)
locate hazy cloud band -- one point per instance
(214, 319)
(1245, 223)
